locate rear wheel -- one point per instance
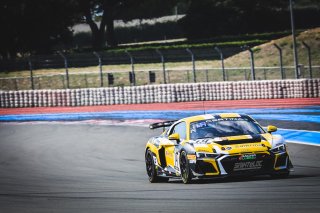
(186, 174)
(152, 170)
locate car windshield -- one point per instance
(225, 127)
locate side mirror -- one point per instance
(174, 136)
(271, 128)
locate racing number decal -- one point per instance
(177, 160)
(155, 160)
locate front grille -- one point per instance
(205, 167)
(234, 164)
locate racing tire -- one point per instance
(152, 170)
(186, 173)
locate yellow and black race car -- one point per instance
(215, 145)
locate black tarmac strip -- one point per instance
(100, 168)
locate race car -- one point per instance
(215, 145)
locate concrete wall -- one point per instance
(238, 90)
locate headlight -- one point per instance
(207, 155)
(280, 148)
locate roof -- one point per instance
(213, 116)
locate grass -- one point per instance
(184, 46)
(266, 55)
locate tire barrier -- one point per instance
(166, 93)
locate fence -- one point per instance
(134, 77)
(54, 61)
(145, 77)
(164, 93)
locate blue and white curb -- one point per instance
(300, 136)
(298, 115)
(308, 114)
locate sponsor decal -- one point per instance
(191, 157)
(249, 165)
(229, 115)
(200, 124)
(203, 141)
(248, 157)
(195, 125)
(241, 137)
(169, 154)
(248, 145)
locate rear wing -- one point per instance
(161, 124)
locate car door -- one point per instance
(171, 152)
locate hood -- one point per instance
(232, 144)
(231, 140)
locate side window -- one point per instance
(181, 129)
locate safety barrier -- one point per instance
(166, 93)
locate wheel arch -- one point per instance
(188, 149)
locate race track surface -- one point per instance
(100, 168)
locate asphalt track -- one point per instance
(100, 168)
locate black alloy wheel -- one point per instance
(186, 174)
(151, 169)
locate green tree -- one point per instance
(207, 18)
(34, 26)
(119, 9)
(39, 25)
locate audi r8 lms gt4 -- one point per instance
(215, 145)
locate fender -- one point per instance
(188, 148)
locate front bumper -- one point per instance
(230, 165)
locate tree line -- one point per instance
(37, 25)
(29, 27)
(234, 17)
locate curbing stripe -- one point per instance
(172, 114)
(292, 136)
(301, 136)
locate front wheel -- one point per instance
(186, 174)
